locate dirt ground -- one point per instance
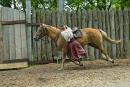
(98, 73)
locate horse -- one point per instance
(90, 36)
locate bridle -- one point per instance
(45, 30)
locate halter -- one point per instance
(45, 31)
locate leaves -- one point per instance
(68, 4)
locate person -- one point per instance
(76, 32)
(75, 49)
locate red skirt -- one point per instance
(76, 50)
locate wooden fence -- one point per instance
(114, 22)
(12, 35)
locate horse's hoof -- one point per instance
(112, 61)
(81, 65)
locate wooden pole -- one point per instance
(28, 20)
(60, 5)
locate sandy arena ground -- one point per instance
(98, 73)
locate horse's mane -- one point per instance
(56, 28)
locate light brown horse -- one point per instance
(90, 36)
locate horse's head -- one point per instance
(41, 32)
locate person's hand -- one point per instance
(65, 26)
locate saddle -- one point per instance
(77, 33)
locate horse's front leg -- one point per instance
(64, 52)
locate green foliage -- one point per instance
(6, 3)
(68, 4)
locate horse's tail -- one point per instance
(105, 37)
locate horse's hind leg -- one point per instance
(105, 55)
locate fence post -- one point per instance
(91, 49)
(126, 31)
(60, 5)
(117, 30)
(112, 25)
(95, 25)
(28, 20)
(120, 14)
(1, 38)
(12, 48)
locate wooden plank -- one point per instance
(126, 32)
(100, 19)
(79, 22)
(23, 36)
(5, 34)
(51, 45)
(74, 19)
(112, 24)
(1, 37)
(12, 49)
(117, 30)
(33, 24)
(29, 34)
(34, 44)
(95, 25)
(83, 19)
(58, 19)
(42, 18)
(69, 23)
(15, 60)
(64, 18)
(44, 55)
(84, 23)
(100, 23)
(17, 36)
(103, 25)
(47, 20)
(120, 14)
(87, 25)
(87, 18)
(60, 5)
(54, 24)
(13, 65)
(91, 49)
(39, 43)
(54, 18)
(61, 20)
(13, 21)
(59, 54)
(108, 30)
(51, 42)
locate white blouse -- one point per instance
(67, 34)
